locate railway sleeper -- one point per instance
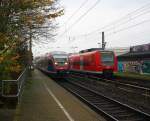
(107, 105)
(128, 115)
(110, 109)
(110, 105)
(99, 103)
(130, 118)
(133, 120)
(91, 97)
(96, 101)
(121, 112)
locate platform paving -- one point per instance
(7, 114)
(44, 100)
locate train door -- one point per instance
(71, 63)
(50, 65)
(81, 63)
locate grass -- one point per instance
(133, 75)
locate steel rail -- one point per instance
(108, 106)
(136, 87)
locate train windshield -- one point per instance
(61, 59)
(107, 58)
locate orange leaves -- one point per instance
(56, 14)
(61, 12)
(15, 57)
(3, 37)
(10, 62)
(39, 19)
(35, 16)
(1, 59)
(26, 19)
(35, 19)
(14, 65)
(44, 2)
(15, 68)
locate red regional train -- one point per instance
(94, 61)
(54, 63)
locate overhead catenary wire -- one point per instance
(131, 18)
(123, 23)
(123, 20)
(84, 14)
(131, 26)
(75, 12)
(127, 17)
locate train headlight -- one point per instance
(56, 63)
(66, 63)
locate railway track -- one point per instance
(130, 95)
(110, 108)
(138, 82)
(125, 80)
(134, 88)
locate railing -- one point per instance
(13, 88)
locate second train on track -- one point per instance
(94, 61)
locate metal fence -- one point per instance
(13, 88)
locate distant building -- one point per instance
(120, 50)
(136, 60)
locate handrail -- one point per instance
(18, 83)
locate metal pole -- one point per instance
(103, 41)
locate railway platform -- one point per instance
(44, 100)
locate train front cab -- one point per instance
(108, 63)
(96, 63)
(61, 66)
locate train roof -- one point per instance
(94, 49)
(87, 51)
(56, 53)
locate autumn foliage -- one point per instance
(18, 20)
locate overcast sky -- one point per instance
(126, 23)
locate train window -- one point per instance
(107, 58)
(61, 59)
